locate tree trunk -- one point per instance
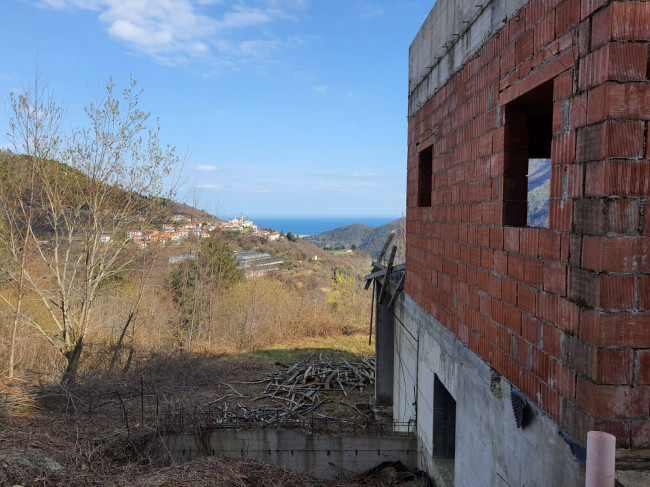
(118, 347)
(73, 357)
(14, 332)
(128, 361)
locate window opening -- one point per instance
(527, 177)
(444, 432)
(425, 169)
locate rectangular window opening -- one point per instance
(527, 177)
(444, 431)
(425, 170)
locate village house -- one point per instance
(151, 235)
(271, 235)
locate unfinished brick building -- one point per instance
(561, 311)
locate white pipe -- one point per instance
(601, 456)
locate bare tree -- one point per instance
(102, 180)
(36, 133)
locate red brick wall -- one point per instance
(563, 313)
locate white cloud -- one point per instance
(181, 31)
(206, 167)
(258, 47)
(352, 96)
(304, 76)
(208, 186)
(241, 17)
(71, 4)
(369, 11)
(320, 89)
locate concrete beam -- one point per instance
(452, 33)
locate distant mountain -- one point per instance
(367, 239)
(371, 239)
(539, 191)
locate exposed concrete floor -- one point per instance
(633, 478)
(633, 468)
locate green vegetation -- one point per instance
(587, 378)
(214, 267)
(333, 347)
(538, 205)
(581, 303)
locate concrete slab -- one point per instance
(633, 478)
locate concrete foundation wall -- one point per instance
(319, 455)
(490, 449)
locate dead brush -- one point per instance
(17, 398)
(224, 472)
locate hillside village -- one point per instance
(181, 227)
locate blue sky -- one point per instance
(282, 107)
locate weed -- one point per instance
(587, 378)
(581, 303)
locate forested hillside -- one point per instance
(367, 239)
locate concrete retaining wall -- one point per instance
(490, 449)
(319, 455)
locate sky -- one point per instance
(278, 107)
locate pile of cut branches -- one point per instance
(293, 394)
(304, 381)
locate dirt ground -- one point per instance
(95, 432)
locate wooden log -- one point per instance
(329, 379)
(400, 286)
(386, 281)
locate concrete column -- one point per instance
(384, 340)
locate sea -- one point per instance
(317, 224)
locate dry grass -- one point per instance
(93, 430)
(96, 429)
(290, 308)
